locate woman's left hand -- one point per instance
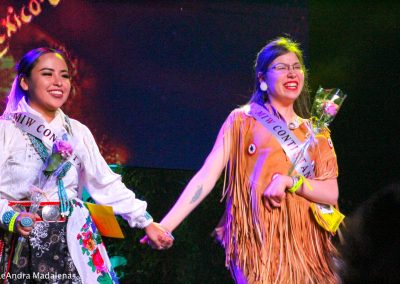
(276, 191)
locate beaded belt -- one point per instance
(48, 211)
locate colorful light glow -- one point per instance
(15, 19)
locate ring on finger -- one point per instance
(26, 222)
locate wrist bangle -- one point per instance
(12, 222)
(26, 222)
(297, 182)
(6, 218)
(147, 216)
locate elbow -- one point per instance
(334, 198)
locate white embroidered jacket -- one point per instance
(20, 165)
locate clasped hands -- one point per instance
(157, 237)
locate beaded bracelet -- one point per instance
(12, 222)
(147, 216)
(6, 218)
(26, 222)
(297, 182)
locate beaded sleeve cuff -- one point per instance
(9, 218)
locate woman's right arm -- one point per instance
(5, 136)
(202, 182)
(7, 132)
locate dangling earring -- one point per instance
(263, 86)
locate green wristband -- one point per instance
(12, 222)
(297, 182)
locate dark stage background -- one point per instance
(156, 80)
(355, 45)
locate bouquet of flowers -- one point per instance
(326, 105)
(61, 151)
(52, 169)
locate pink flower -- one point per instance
(89, 244)
(330, 108)
(87, 240)
(63, 148)
(98, 261)
(87, 235)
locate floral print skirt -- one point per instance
(44, 257)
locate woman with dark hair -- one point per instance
(46, 159)
(268, 232)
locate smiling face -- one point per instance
(48, 85)
(285, 79)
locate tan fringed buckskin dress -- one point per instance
(285, 245)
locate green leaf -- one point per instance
(98, 239)
(105, 278)
(118, 261)
(90, 263)
(53, 163)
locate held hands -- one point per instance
(157, 237)
(276, 191)
(23, 225)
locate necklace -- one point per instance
(295, 123)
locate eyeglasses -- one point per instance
(284, 68)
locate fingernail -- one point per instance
(170, 235)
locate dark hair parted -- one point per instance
(269, 53)
(30, 59)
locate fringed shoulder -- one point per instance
(240, 113)
(325, 157)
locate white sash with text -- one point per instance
(39, 128)
(289, 142)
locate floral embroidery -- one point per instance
(98, 261)
(90, 240)
(40, 233)
(74, 203)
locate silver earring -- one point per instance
(263, 86)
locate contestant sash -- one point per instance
(39, 128)
(327, 216)
(289, 142)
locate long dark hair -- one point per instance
(267, 54)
